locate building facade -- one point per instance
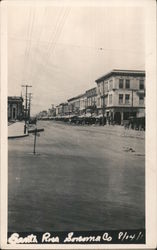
(74, 105)
(65, 109)
(91, 107)
(121, 94)
(15, 108)
(83, 104)
(52, 111)
(43, 114)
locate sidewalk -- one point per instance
(16, 130)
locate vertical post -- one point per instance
(35, 135)
(26, 100)
(132, 101)
(26, 111)
(103, 107)
(29, 106)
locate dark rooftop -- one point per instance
(15, 98)
(76, 97)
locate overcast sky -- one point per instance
(61, 51)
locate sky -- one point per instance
(61, 50)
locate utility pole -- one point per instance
(29, 105)
(26, 109)
(131, 110)
(103, 107)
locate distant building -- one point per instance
(83, 104)
(43, 114)
(121, 94)
(74, 105)
(62, 109)
(57, 110)
(91, 95)
(65, 109)
(15, 108)
(52, 111)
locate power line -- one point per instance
(49, 43)
(54, 35)
(96, 48)
(58, 33)
(28, 45)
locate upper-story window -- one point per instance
(120, 98)
(106, 87)
(102, 88)
(141, 84)
(110, 99)
(99, 89)
(127, 84)
(121, 81)
(110, 84)
(106, 99)
(127, 99)
(98, 101)
(93, 101)
(141, 99)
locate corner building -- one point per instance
(15, 108)
(121, 94)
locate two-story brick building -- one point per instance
(121, 94)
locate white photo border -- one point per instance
(151, 121)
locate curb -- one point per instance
(17, 136)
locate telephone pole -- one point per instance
(26, 105)
(29, 105)
(103, 107)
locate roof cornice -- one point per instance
(116, 72)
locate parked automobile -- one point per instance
(33, 120)
(137, 123)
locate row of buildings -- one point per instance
(117, 95)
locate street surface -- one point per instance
(82, 178)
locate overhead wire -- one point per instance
(54, 36)
(26, 48)
(44, 56)
(53, 41)
(58, 33)
(37, 44)
(30, 39)
(28, 44)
